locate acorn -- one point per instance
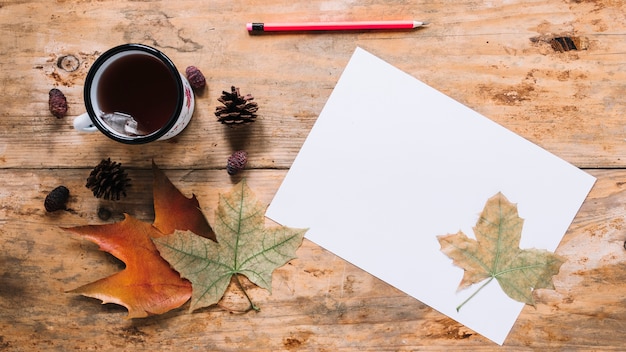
(236, 162)
(56, 199)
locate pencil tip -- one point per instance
(417, 24)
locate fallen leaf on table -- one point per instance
(174, 211)
(495, 254)
(245, 247)
(147, 285)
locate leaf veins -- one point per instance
(245, 247)
(147, 285)
(495, 254)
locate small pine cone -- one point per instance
(108, 180)
(237, 109)
(195, 77)
(56, 199)
(57, 103)
(236, 162)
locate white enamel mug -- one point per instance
(134, 94)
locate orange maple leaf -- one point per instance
(173, 211)
(148, 285)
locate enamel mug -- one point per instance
(134, 94)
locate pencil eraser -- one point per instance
(254, 27)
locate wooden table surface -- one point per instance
(493, 56)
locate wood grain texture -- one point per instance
(319, 302)
(482, 54)
(493, 56)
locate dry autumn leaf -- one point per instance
(147, 285)
(245, 247)
(495, 254)
(174, 211)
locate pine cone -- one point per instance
(237, 109)
(108, 180)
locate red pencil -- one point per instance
(331, 26)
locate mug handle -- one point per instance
(83, 123)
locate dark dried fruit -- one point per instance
(57, 103)
(195, 77)
(236, 162)
(104, 213)
(56, 199)
(237, 109)
(108, 180)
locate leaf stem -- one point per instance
(474, 294)
(252, 305)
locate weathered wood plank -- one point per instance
(494, 56)
(481, 54)
(319, 302)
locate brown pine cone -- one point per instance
(237, 109)
(108, 180)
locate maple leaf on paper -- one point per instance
(147, 285)
(245, 247)
(495, 254)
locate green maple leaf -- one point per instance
(244, 247)
(495, 254)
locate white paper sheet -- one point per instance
(391, 163)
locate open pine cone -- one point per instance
(108, 180)
(237, 109)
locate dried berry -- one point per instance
(104, 213)
(56, 199)
(108, 180)
(236, 162)
(195, 77)
(237, 109)
(57, 103)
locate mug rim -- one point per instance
(95, 69)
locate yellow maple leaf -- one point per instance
(495, 254)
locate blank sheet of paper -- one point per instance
(392, 163)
